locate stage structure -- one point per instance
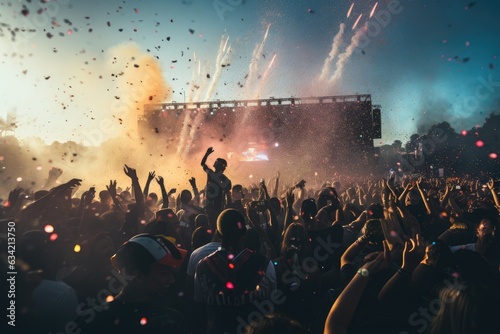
(317, 133)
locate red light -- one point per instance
(493, 155)
(143, 321)
(464, 133)
(480, 143)
(53, 237)
(231, 266)
(229, 285)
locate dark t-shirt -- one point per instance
(218, 185)
(145, 317)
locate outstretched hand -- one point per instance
(380, 262)
(112, 188)
(130, 172)
(413, 253)
(151, 175)
(192, 182)
(55, 173)
(160, 181)
(491, 184)
(210, 150)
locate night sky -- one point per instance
(422, 61)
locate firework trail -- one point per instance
(253, 67)
(357, 21)
(373, 10)
(264, 78)
(350, 10)
(337, 41)
(344, 57)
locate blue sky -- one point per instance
(424, 66)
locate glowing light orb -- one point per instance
(493, 155)
(38, 167)
(480, 143)
(53, 237)
(229, 285)
(48, 228)
(77, 248)
(19, 179)
(109, 299)
(231, 266)
(143, 321)
(463, 132)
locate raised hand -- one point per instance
(130, 172)
(380, 262)
(192, 182)
(413, 253)
(151, 176)
(210, 150)
(419, 181)
(55, 173)
(112, 188)
(160, 181)
(491, 184)
(172, 191)
(72, 184)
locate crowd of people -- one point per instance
(352, 255)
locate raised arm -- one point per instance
(209, 151)
(112, 192)
(139, 198)
(151, 176)
(164, 195)
(424, 198)
(343, 309)
(288, 209)
(491, 187)
(196, 193)
(276, 185)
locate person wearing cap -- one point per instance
(146, 265)
(217, 191)
(234, 282)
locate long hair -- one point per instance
(466, 308)
(295, 241)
